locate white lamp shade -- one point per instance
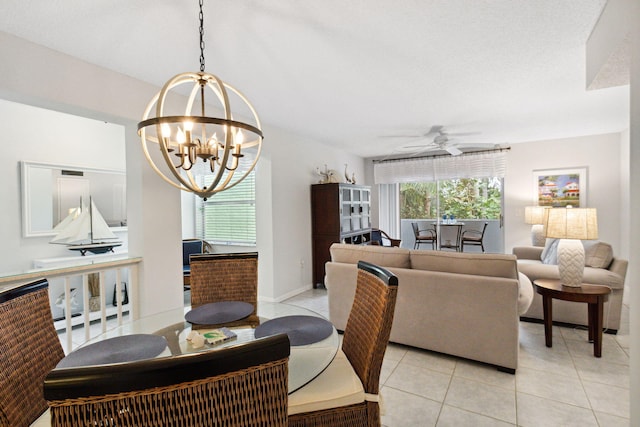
(571, 223)
(534, 214)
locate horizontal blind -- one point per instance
(426, 169)
(229, 217)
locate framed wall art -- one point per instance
(560, 187)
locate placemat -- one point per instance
(219, 312)
(302, 330)
(127, 348)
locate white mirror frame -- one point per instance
(29, 229)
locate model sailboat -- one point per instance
(85, 230)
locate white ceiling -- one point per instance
(349, 72)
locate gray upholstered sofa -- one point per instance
(462, 304)
(601, 268)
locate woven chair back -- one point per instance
(366, 334)
(29, 349)
(224, 277)
(238, 386)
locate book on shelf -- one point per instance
(219, 335)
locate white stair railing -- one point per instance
(121, 266)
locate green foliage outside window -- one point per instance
(418, 200)
(468, 198)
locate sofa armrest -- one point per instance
(619, 266)
(528, 252)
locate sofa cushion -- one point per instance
(535, 270)
(485, 264)
(379, 255)
(550, 253)
(338, 385)
(597, 254)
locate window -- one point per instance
(229, 217)
(465, 198)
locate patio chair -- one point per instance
(473, 238)
(428, 235)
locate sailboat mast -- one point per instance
(91, 218)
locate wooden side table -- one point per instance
(594, 295)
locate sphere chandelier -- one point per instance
(228, 148)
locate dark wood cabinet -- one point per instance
(340, 213)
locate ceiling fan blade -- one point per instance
(455, 134)
(453, 150)
(412, 149)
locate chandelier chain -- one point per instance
(201, 16)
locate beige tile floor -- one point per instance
(559, 386)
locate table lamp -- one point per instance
(571, 225)
(534, 215)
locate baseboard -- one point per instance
(288, 295)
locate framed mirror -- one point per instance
(50, 192)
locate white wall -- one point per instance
(293, 160)
(600, 154)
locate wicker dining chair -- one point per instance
(346, 393)
(224, 277)
(243, 385)
(29, 349)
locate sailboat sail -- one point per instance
(73, 214)
(88, 231)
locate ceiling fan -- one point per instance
(436, 139)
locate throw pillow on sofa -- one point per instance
(550, 253)
(597, 254)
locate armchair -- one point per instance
(379, 237)
(191, 247)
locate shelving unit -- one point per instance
(340, 213)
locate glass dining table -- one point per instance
(305, 361)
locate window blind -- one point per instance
(425, 169)
(228, 217)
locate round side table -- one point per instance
(594, 295)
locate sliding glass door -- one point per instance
(472, 201)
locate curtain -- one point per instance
(389, 209)
(472, 165)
